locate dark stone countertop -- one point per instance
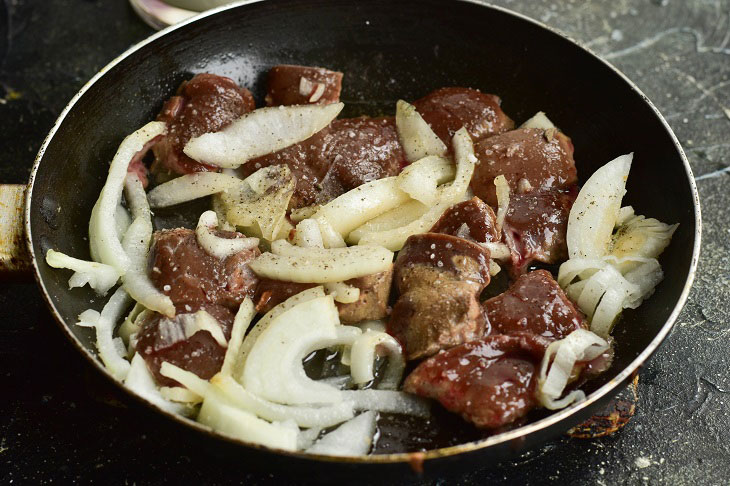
(58, 423)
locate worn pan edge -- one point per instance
(506, 437)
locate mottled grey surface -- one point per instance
(57, 425)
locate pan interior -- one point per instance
(387, 50)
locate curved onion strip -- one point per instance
(189, 380)
(224, 418)
(596, 286)
(579, 268)
(320, 417)
(300, 214)
(359, 205)
(342, 382)
(220, 208)
(580, 345)
(274, 369)
(308, 234)
(99, 276)
(640, 237)
(140, 381)
(203, 321)
(539, 120)
(132, 323)
(596, 210)
(497, 251)
(394, 239)
(111, 350)
(393, 219)
(88, 318)
(136, 197)
(375, 326)
(388, 401)
(216, 246)
(260, 132)
(189, 187)
(318, 265)
(180, 395)
(362, 359)
(574, 290)
(244, 316)
(343, 293)
(270, 316)
(608, 310)
(416, 136)
(353, 438)
(466, 160)
(330, 237)
(307, 437)
(102, 227)
(420, 179)
(136, 282)
(646, 276)
(122, 219)
(500, 182)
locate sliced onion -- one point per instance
(343, 293)
(221, 210)
(357, 206)
(299, 214)
(273, 368)
(500, 182)
(320, 417)
(137, 283)
(420, 179)
(394, 239)
(466, 160)
(640, 237)
(539, 120)
(497, 251)
(132, 324)
(308, 234)
(403, 215)
(136, 197)
(259, 203)
(140, 381)
(122, 219)
(226, 419)
(416, 136)
(102, 227)
(180, 395)
(580, 345)
(330, 237)
(362, 359)
(261, 132)
(189, 380)
(307, 437)
(244, 316)
(269, 317)
(189, 187)
(216, 246)
(318, 265)
(388, 401)
(353, 438)
(111, 350)
(596, 210)
(99, 276)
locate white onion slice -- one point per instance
(308, 234)
(216, 246)
(261, 132)
(180, 395)
(102, 227)
(270, 316)
(416, 136)
(420, 179)
(299, 214)
(395, 238)
(539, 120)
(137, 283)
(111, 350)
(403, 215)
(99, 276)
(140, 381)
(357, 206)
(122, 219)
(596, 210)
(353, 438)
(136, 197)
(189, 380)
(343, 293)
(497, 251)
(307, 437)
(226, 419)
(330, 237)
(640, 237)
(321, 417)
(244, 316)
(362, 358)
(502, 187)
(318, 265)
(189, 187)
(579, 345)
(388, 401)
(466, 161)
(273, 368)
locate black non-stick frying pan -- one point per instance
(387, 50)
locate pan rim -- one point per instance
(406, 457)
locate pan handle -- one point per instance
(15, 262)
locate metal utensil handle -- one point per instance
(14, 257)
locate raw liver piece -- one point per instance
(300, 85)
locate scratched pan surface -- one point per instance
(387, 50)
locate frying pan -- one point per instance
(387, 50)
